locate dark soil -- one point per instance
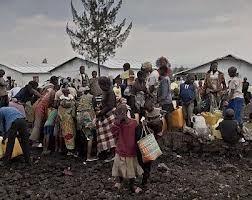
(187, 176)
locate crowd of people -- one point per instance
(99, 118)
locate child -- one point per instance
(229, 128)
(153, 117)
(154, 122)
(188, 96)
(13, 125)
(49, 129)
(125, 163)
(85, 118)
(66, 112)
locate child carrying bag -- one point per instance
(148, 145)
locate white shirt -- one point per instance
(152, 79)
(13, 92)
(235, 84)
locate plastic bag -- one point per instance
(211, 119)
(148, 146)
(216, 133)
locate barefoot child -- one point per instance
(125, 163)
(49, 129)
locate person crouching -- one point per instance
(125, 164)
(229, 128)
(13, 125)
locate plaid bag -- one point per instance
(105, 138)
(148, 145)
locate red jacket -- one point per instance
(126, 145)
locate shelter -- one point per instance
(244, 67)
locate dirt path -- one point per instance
(187, 177)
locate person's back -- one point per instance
(229, 131)
(164, 94)
(126, 138)
(9, 115)
(187, 92)
(229, 128)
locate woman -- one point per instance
(235, 95)
(105, 119)
(40, 109)
(66, 113)
(164, 94)
(214, 86)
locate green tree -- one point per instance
(96, 34)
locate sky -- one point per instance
(187, 32)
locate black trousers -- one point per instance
(18, 129)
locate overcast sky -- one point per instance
(186, 31)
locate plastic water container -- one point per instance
(1, 147)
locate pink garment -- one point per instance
(19, 107)
(125, 133)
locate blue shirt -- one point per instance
(7, 116)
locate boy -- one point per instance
(49, 129)
(229, 128)
(188, 96)
(12, 125)
(154, 122)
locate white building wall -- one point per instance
(244, 69)
(71, 69)
(42, 78)
(17, 76)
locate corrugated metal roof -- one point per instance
(30, 68)
(217, 59)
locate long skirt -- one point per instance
(40, 109)
(105, 138)
(126, 167)
(67, 126)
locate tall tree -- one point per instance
(97, 35)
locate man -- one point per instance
(81, 80)
(128, 78)
(95, 89)
(214, 86)
(151, 80)
(12, 125)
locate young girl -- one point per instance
(125, 163)
(66, 112)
